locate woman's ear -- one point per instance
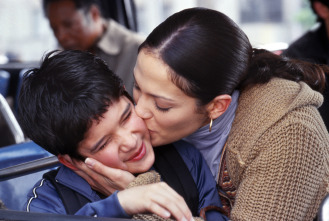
(67, 161)
(218, 105)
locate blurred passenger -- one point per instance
(75, 107)
(78, 24)
(313, 46)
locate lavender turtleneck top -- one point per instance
(211, 143)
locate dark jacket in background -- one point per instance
(313, 46)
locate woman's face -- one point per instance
(168, 113)
(119, 139)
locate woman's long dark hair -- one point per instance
(209, 55)
(265, 65)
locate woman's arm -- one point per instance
(104, 179)
(156, 198)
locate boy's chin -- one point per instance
(144, 168)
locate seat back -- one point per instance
(4, 82)
(323, 213)
(11, 121)
(21, 166)
(19, 85)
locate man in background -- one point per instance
(313, 46)
(79, 25)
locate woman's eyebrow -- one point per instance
(154, 95)
(161, 97)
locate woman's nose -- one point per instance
(142, 109)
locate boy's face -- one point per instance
(120, 139)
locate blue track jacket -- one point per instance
(44, 198)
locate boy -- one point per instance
(75, 107)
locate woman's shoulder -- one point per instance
(263, 105)
(281, 90)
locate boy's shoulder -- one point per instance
(43, 197)
(188, 151)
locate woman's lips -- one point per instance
(151, 132)
(140, 154)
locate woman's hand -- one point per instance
(157, 198)
(103, 179)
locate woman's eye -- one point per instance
(162, 109)
(136, 86)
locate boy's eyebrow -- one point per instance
(123, 115)
(127, 109)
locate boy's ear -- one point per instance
(218, 105)
(95, 12)
(67, 161)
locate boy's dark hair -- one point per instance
(79, 4)
(59, 101)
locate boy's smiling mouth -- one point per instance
(140, 154)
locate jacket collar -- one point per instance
(111, 42)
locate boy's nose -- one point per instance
(129, 142)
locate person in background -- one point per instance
(75, 107)
(252, 114)
(79, 25)
(313, 47)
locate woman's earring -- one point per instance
(210, 125)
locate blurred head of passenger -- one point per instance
(321, 9)
(77, 24)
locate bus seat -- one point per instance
(323, 213)
(11, 121)
(21, 166)
(19, 84)
(21, 153)
(4, 82)
(32, 216)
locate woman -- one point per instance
(252, 114)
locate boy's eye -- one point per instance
(127, 117)
(108, 140)
(102, 147)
